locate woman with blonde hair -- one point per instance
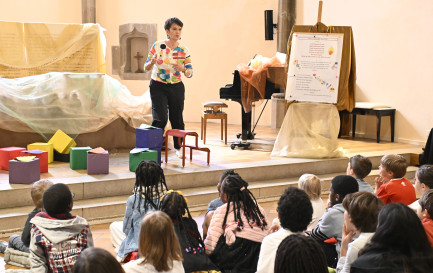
(158, 246)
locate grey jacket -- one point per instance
(57, 242)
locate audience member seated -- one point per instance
(391, 186)
(22, 242)
(360, 221)
(57, 237)
(399, 244)
(300, 254)
(328, 231)
(425, 213)
(295, 212)
(237, 228)
(149, 187)
(191, 244)
(423, 182)
(97, 260)
(312, 187)
(216, 203)
(158, 246)
(359, 167)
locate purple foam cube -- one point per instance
(148, 137)
(97, 163)
(24, 172)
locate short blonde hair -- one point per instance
(157, 242)
(395, 163)
(37, 191)
(311, 185)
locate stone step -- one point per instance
(105, 209)
(122, 183)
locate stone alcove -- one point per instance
(135, 41)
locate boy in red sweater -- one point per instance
(425, 212)
(391, 186)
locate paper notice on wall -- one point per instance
(314, 67)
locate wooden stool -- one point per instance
(182, 134)
(213, 111)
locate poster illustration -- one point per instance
(314, 67)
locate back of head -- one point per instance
(149, 181)
(57, 200)
(363, 208)
(158, 243)
(344, 184)
(97, 260)
(395, 163)
(300, 254)
(400, 230)
(425, 175)
(174, 204)
(311, 185)
(360, 165)
(426, 201)
(240, 197)
(295, 210)
(37, 191)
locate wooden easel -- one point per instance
(319, 15)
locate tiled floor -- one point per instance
(101, 233)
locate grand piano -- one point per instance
(233, 92)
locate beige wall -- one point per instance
(219, 34)
(46, 11)
(392, 43)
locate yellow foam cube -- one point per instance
(62, 143)
(48, 147)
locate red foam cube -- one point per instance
(42, 155)
(7, 154)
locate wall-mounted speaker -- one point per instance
(269, 25)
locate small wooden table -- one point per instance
(378, 112)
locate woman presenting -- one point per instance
(169, 59)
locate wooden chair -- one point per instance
(213, 110)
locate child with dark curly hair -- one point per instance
(237, 228)
(295, 212)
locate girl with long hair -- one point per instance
(149, 187)
(237, 228)
(193, 250)
(400, 244)
(158, 247)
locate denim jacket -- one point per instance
(131, 224)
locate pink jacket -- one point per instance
(215, 230)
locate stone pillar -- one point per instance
(286, 20)
(88, 11)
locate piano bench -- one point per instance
(366, 110)
(213, 110)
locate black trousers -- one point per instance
(167, 104)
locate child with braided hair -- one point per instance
(237, 228)
(149, 187)
(193, 250)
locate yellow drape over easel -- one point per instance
(28, 49)
(347, 83)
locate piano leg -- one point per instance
(246, 126)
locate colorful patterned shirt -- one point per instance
(163, 69)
